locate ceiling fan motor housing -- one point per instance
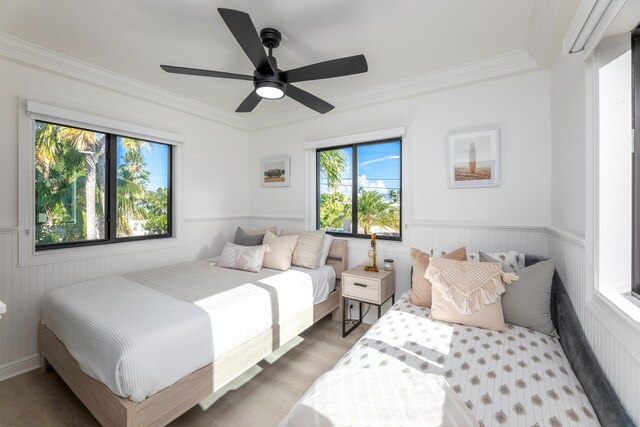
(270, 38)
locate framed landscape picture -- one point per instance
(275, 171)
(474, 158)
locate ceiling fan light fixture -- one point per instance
(270, 89)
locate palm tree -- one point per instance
(52, 143)
(375, 210)
(132, 184)
(89, 143)
(333, 164)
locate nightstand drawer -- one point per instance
(361, 287)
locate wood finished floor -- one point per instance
(262, 396)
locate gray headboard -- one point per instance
(603, 398)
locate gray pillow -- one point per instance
(243, 238)
(527, 301)
(483, 257)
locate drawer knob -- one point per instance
(361, 285)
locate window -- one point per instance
(95, 188)
(635, 164)
(359, 188)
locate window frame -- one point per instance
(354, 190)
(111, 155)
(635, 165)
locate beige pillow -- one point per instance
(421, 288)
(309, 249)
(468, 293)
(280, 251)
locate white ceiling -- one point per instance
(401, 39)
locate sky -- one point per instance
(378, 167)
(157, 157)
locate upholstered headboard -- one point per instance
(603, 398)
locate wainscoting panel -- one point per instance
(22, 289)
(621, 366)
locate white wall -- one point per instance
(567, 144)
(519, 105)
(614, 341)
(512, 216)
(214, 165)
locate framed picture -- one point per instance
(473, 158)
(275, 171)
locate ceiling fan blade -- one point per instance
(328, 69)
(247, 36)
(249, 103)
(205, 73)
(308, 100)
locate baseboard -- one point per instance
(20, 366)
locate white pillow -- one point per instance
(514, 259)
(326, 247)
(247, 258)
(280, 251)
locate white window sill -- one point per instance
(84, 252)
(620, 315)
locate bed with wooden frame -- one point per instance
(168, 404)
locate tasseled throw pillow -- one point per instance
(468, 293)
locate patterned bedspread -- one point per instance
(518, 377)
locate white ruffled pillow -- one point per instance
(247, 258)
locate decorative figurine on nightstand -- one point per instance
(372, 254)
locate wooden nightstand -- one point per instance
(367, 287)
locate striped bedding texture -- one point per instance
(142, 332)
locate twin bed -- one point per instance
(143, 348)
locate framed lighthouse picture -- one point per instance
(474, 158)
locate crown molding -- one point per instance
(497, 66)
(23, 52)
(543, 20)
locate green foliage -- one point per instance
(156, 205)
(70, 199)
(375, 210)
(334, 208)
(333, 164)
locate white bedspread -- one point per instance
(519, 377)
(142, 332)
(372, 397)
(131, 338)
(241, 305)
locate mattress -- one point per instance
(142, 332)
(519, 377)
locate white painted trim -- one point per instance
(566, 236)
(28, 256)
(621, 326)
(356, 138)
(19, 366)
(69, 117)
(589, 25)
(278, 218)
(479, 226)
(544, 16)
(23, 52)
(216, 218)
(497, 66)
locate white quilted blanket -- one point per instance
(518, 377)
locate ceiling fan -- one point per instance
(269, 81)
